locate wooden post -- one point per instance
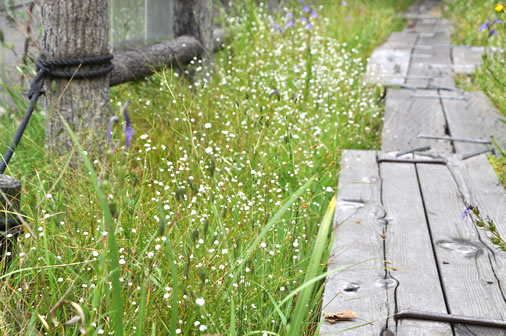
(194, 18)
(10, 197)
(72, 29)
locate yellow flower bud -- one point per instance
(499, 8)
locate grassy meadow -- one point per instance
(213, 220)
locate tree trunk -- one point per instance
(76, 28)
(138, 63)
(10, 195)
(194, 18)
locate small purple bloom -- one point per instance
(344, 3)
(275, 92)
(289, 15)
(128, 130)
(488, 25)
(464, 214)
(306, 9)
(278, 28)
(313, 14)
(309, 26)
(289, 24)
(302, 19)
(109, 128)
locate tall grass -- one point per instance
(217, 209)
(468, 16)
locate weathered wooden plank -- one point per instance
(388, 66)
(434, 63)
(406, 117)
(466, 59)
(424, 8)
(399, 39)
(474, 118)
(408, 247)
(358, 245)
(415, 156)
(469, 280)
(480, 186)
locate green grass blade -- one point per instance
(320, 244)
(142, 309)
(275, 219)
(117, 302)
(278, 309)
(232, 331)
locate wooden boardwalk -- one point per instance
(400, 240)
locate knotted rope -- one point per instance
(48, 69)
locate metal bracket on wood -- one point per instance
(448, 138)
(470, 155)
(441, 317)
(443, 87)
(413, 95)
(419, 149)
(427, 161)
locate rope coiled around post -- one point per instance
(49, 69)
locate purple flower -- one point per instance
(109, 129)
(275, 92)
(289, 24)
(306, 9)
(488, 25)
(464, 214)
(289, 15)
(128, 130)
(302, 19)
(344, 3)
(309, 26)
(278, 28)
(313, 14)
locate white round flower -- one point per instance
(200, 302)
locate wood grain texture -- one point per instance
(480, 186)
(466, 59)
(76, 28)
(195, 18)
(406, 117)
(435, 63)
(469, 280)
(138, 63)
(475, 118)
(358, 245)
(10, 192)
(10, 197)
(409, 248)
(388, 64)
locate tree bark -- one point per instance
(10, 195)
(142, 62)
(194, 18)
(76, 28)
